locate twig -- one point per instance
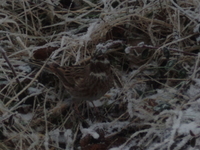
(27, 86)
(10, 65)
(154, 47)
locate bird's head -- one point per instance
(99, 63)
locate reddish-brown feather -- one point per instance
(88, 82)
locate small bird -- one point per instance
(84, 82)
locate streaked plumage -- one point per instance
(88, 82)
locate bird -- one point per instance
(86, 82)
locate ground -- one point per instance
(153, 47)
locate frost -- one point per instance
(56, 2)
(141, 44)
(193, 90)
(62, 136)
(119, 148)
(24, 68)
(196, 28)
(87, 37)
(186, 128)
(131, 10)
(198, 39)
(34, 90)
(130, 107)
(97, 103)
(3, 82)
(111, 43)
(108, 127)
(103, 47)
(4, 3)
(26, 117)
(89, 131)
(128, 50)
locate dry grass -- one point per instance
(153, 47)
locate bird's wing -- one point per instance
(70, 76)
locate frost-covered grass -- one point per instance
(153, 47)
